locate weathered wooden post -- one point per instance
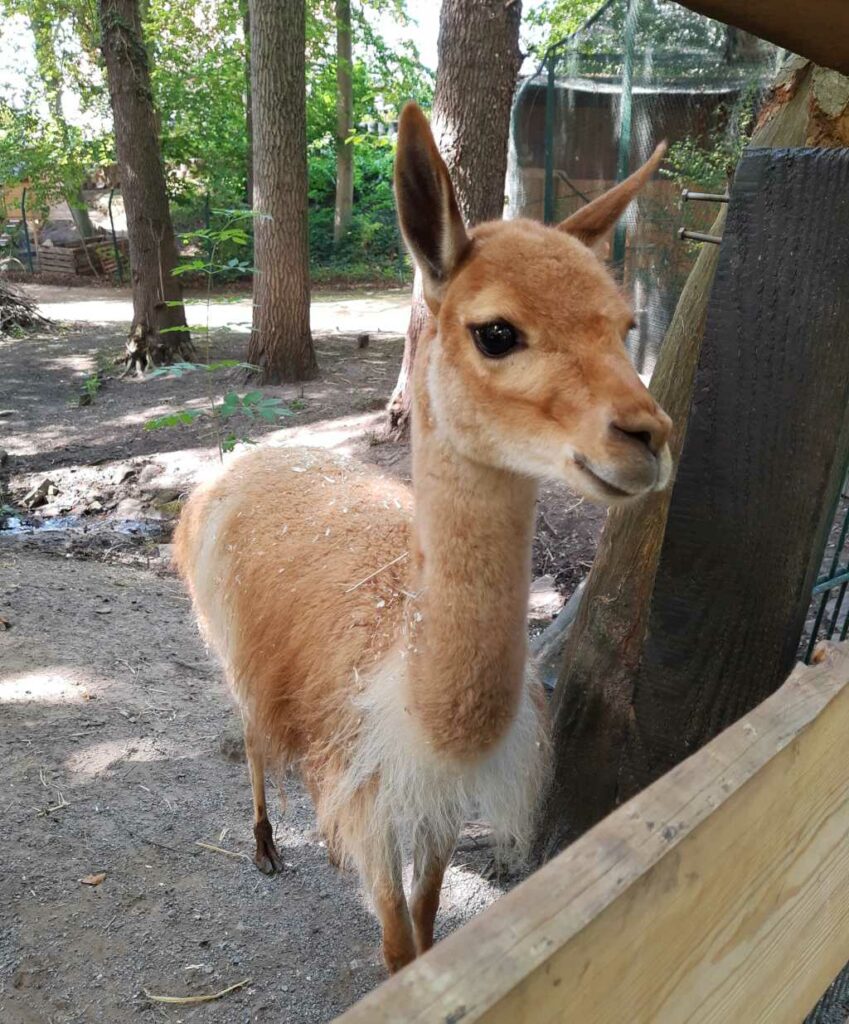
(698, 594)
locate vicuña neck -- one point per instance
(467, 620)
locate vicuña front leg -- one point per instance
(266, 858)
(431, 855)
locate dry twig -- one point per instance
(220, 849)
(376, 572)
(181, 1000)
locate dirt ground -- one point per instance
(113, 718)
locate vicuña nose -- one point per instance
(650, 430)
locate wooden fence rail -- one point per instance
(719, 894)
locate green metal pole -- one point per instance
(548, 195)
(625, 105)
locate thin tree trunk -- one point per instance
(400, 404)
(478, 63)
(159, 318)
(249, 117)
(79, 212)
(281, 343)
(594, 704)
(344, 123)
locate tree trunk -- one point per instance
(478, 63)
(159, 318)
(401, 402)
(79, 212)
(595, 712)
(249, 116)
(344, 123)
(281, 343)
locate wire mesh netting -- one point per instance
(637, 72)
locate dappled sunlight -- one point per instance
(80, 362)
(50, 684)
(459, 877)
(340, 434)
(380, 311)
(128, 749)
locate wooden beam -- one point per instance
(720, 893)
(818, 31)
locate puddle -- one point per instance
(23, 526)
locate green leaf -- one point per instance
(174, 419)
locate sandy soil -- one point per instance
(114, 722)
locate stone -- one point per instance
(39, 494)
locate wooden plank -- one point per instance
(762, 464)
(817, 31)
(720, 895)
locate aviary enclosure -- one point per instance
(693, 855)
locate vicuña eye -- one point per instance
(497, 339)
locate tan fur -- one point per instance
(386, 653)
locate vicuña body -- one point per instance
(381, 643)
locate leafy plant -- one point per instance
(91, 385)
(709, 165)
(252, 406)
(218, 410)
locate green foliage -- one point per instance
(91, 385)
(36, 140)
(246, 408)
(373, 239)
(197, 57)
(252, 406)
(553, 20)
(198, 77)
(708, 165)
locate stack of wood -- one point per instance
(89, 257)
(106, 259)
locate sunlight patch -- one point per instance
(113, 753)
(36, 686)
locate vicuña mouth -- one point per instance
(606, 488)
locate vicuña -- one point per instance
(378, 639)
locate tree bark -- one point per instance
(344, 123)
(281, 343)
(595, 715)
(478, 63)
(249, 117)
(159, 318)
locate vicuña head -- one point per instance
(528, 370)
(382, 648)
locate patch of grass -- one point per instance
(90, 387)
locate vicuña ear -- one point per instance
(591, 223)
(427, 208)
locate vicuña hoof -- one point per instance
(266, 858)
